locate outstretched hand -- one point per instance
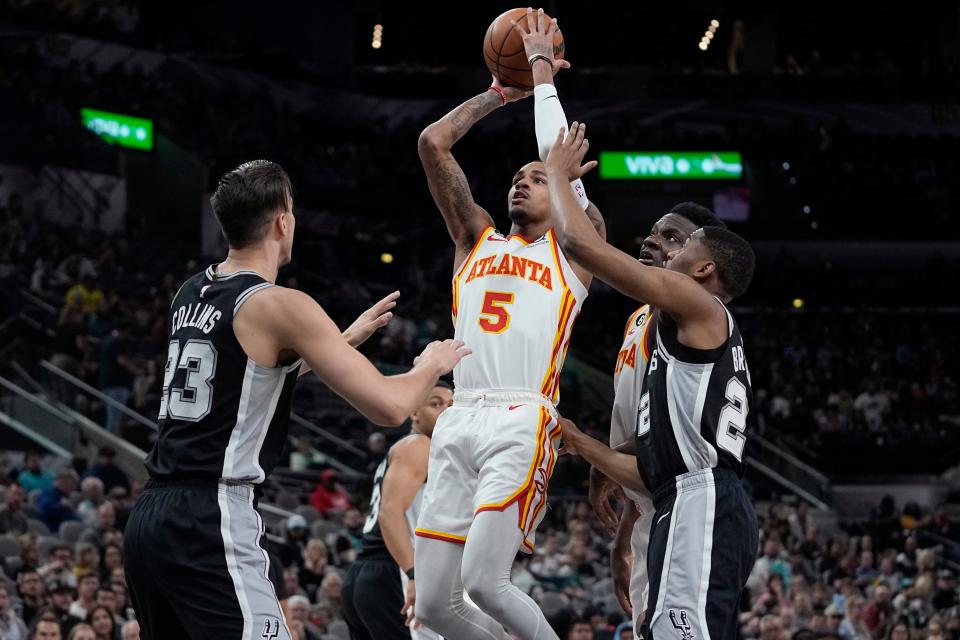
(568, 151)
(367, 323)
(511, 94)
(538, 35)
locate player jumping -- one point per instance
(515, 298)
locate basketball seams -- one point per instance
(511, 69)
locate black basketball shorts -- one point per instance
(372, 598)
(703, 544)
(195, 566)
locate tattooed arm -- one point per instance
(448, 185)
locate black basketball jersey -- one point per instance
(693, 407)
(373, 543)
(222, 415)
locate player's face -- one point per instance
(667, 235)
(691, 257)
(426, 416)
(529, 201)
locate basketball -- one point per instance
(503, 49)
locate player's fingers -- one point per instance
(560, 136)
(384, 320)
(561, 64)
(552, 26)
(531, 24)
(540, 20)
(516, 25)
(624, 599)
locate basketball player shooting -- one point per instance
(691, 421)
(238, 343)
(515, 298)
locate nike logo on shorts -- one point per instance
(513, 406)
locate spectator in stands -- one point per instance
(111, 560)
(853, 626)
(120, 602)
(298, 609)
(29, 556)
(945, 595)
(46, 627)
(879, 611)
(291, 583)
(59, 565)
(32, 595)
(82, 631)
(86, 558)
(872, 406)
(12, 626)
(295, 540)
(315, 559)
(34, 477)
(54, 505)
(579, 630)
(13, 520)
(865, 572)
(86, 291)
(61, 597)
(92, 489)
(106, 469)
(624, 631)
(329, 594)
(106, 530)
(101, 619)
(130, 630)
(329, 494)
(121, 499)
(117, 369)
(350, 538)
(87, 587)
(107, 598)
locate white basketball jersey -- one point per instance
(628, 378)
(514, 304)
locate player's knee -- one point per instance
(486, 590)
(432, 607)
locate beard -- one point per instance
(519, 215)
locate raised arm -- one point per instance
(279, 320)
(677, 294)
(448, 185)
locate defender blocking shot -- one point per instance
(691, 418)
(194, 560)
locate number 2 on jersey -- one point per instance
(193, 400)
(733, 419)
(494, 318)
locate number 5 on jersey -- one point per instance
(494, 317)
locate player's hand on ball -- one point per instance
(511, 94)
(566, 155)
(538, 35)
(443, 355)
(367, 323)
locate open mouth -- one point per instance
(646, 258)
(517, 197)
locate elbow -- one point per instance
(430, 141)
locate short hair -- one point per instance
(293, 600)
(734, 257)
(246, 199)
(698, 214)
(443, 383)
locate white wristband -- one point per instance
(580, 193)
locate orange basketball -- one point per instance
(503, 49)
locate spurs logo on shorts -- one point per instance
(271, 629)
(678, 618)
